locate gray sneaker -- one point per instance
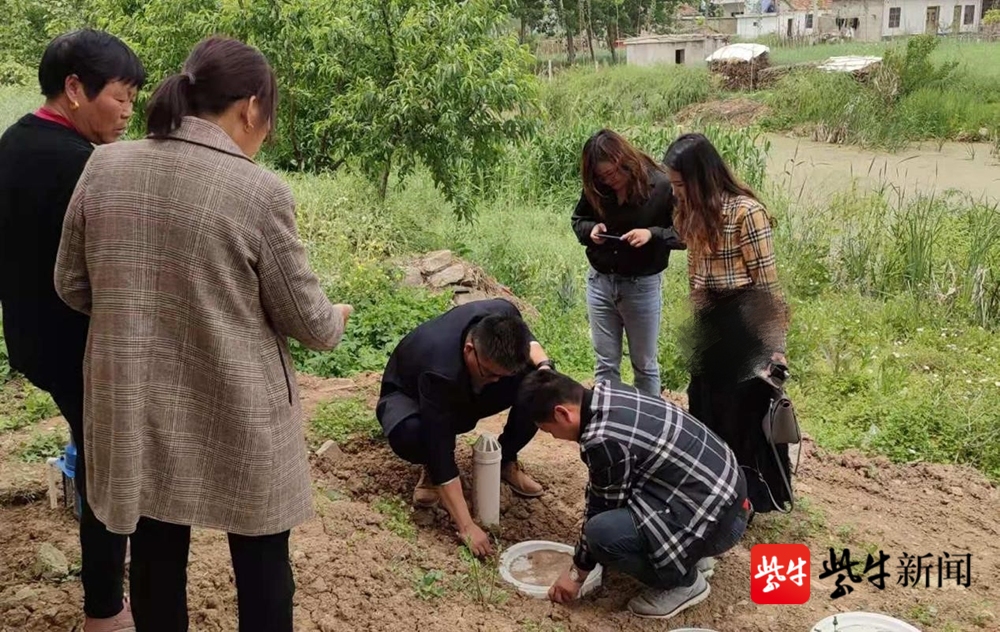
(706, 566)
(663, 604)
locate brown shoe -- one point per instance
(520, 483)
(121, 622)
(425, 495)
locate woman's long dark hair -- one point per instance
(610, 147)
(707, 180)
(218, 72)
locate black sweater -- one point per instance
(40, 163)
(616, 257)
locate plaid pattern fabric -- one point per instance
(746, 254)
(674, 475)
(186, 255)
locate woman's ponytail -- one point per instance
(168, 105)
(217, 73)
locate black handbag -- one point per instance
(781, 426)
(780, 423)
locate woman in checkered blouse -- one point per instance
(740, 315)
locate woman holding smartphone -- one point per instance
(624, 219)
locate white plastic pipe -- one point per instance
(52, 477)
(486, 480)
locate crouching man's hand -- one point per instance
(567, 587)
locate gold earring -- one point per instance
(74, 105)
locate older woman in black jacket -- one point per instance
(90, 80)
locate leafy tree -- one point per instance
(913, 69)
(161, 32)
(529, 14)
(379, 86)
(428, 81)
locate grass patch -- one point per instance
(928, 89)
(342, 420)
(803, 524)
(625, 94)
(481, 580)
(22, 404)
(397, 515)
(429, 585)
(42, 445)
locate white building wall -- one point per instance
(754, 26)
(868, 13)
(653, 53)
(913, 16)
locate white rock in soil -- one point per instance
(437, 260)
(50, 563)
(448, 276)
(412, 277)
(330, 451)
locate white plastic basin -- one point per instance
(862, 622)
(511, 556)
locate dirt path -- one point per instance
(368, 562)
(815, 170)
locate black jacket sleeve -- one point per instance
(584, 220)
(663, 230)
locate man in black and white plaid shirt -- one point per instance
(664, 495)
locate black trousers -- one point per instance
(406, 439)
(158, 579)
(734, 412)
(407, 435)
(103, 552)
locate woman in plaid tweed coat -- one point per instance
(185, 254)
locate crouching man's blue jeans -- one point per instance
(616, 543)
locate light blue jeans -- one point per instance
(633, 305)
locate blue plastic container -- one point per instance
(67, 465)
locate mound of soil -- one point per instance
(740, 112)
(442, 270)
(741, 75)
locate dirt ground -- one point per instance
(738, 111)
(368, 562)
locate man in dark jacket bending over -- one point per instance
(444, 377)
(664, 493)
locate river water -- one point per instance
(811, 171)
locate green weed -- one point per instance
(803, 524)
(482, 577)
(343, 420)
(428, 586)
(397, 515)
(21, 405)
(42, 446)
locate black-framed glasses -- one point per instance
(487, 375)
